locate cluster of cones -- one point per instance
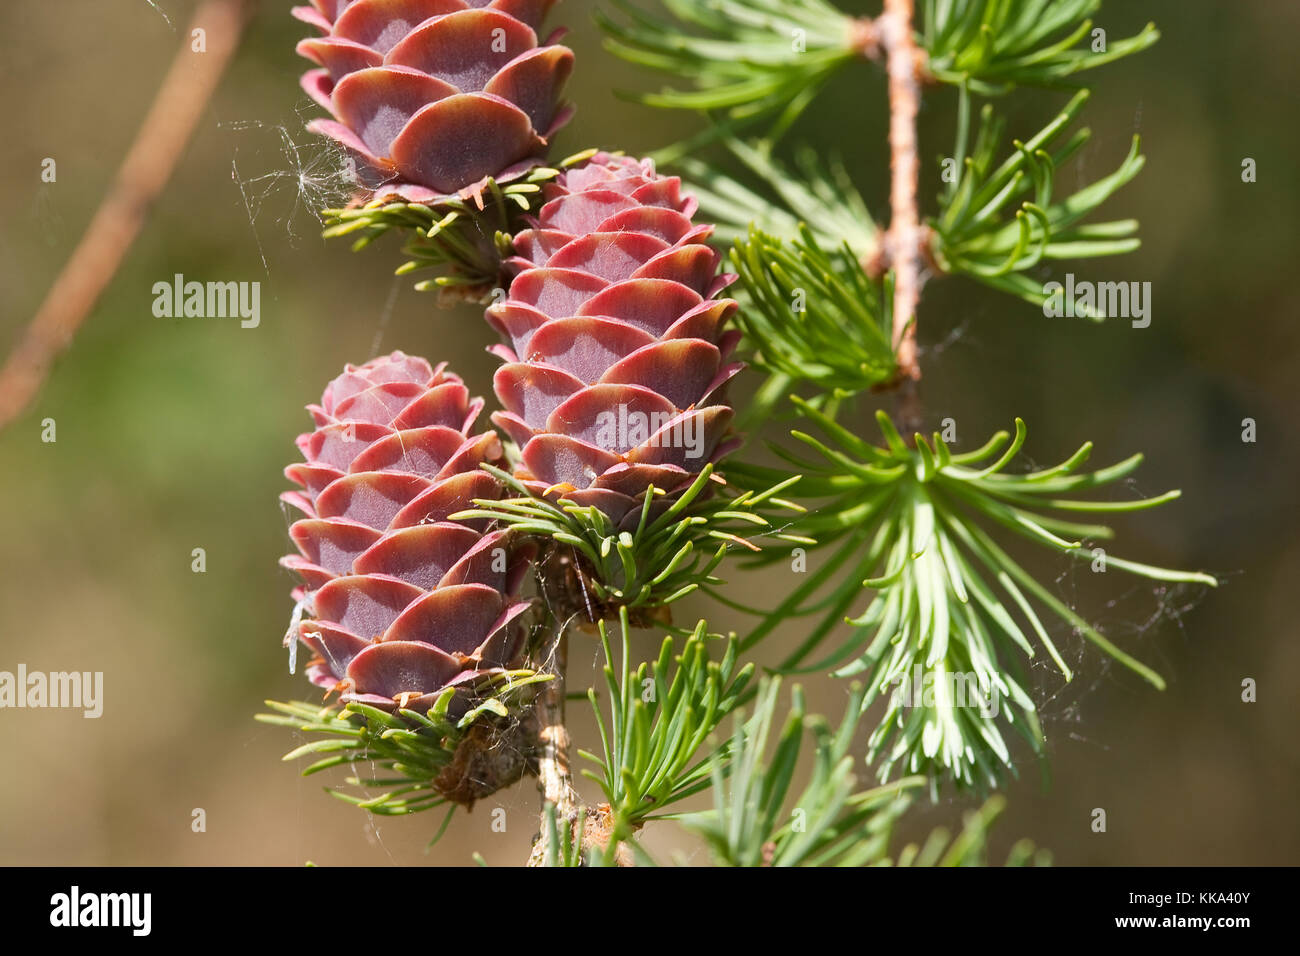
(615, 351)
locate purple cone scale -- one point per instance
(617, 342)
(436, 96)
(400, 601)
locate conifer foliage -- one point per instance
(443, 570)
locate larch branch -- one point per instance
(904, 242)
(159, 144)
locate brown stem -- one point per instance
(905, 240)
(554, 779)
(157, 149)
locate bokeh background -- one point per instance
(172, 435)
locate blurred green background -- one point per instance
(172, 435)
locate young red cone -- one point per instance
(436, 96)
(617, 343)
(400, 601)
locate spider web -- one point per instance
(1132, 619)
(286, 180)
(162, 13)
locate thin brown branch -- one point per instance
(158, 146)
(554, 778)
(905, 240)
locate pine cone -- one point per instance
(616, 340)
(435, 96)
(402, 602)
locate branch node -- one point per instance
(864, 38)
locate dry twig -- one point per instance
(148, 166)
